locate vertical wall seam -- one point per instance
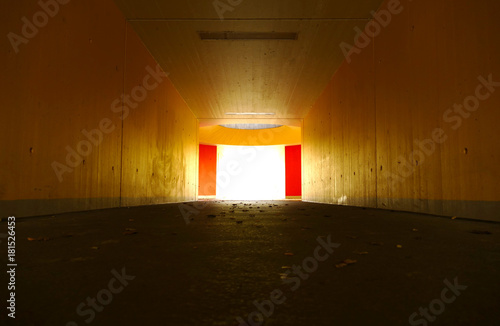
(375, 121)
(123, 108)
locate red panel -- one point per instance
(208, 170)
(293, 167)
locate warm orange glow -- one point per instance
(217, 135)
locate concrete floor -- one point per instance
(210, 271)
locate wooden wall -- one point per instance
(66, 81)
(389, 131)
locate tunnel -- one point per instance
(242, 163)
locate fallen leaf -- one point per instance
(361, 252)
(399, 246)
(130, 232)
(454, 218)
(415, 230)
(345, 263)
(480, 232)
(39, 239)
(286, 267)
(95, 248)
(109, 242)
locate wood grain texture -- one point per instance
(284, 77)
(392, 98)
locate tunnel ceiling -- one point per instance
(251, 74)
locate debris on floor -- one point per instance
(41, 239)
(130, 232)
(345, 263)
(480, 232)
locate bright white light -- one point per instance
(250, 173)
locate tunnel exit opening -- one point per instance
(250, 172)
